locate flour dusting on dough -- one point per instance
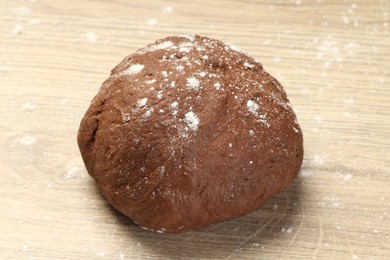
(134, 69)
(192, 120)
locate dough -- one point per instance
(188, 132)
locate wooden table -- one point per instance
(333, 58)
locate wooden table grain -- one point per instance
(333, 57)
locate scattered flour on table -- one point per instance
(347, 114)
(28, 107)
(17, 29)
(22, 11)
(28, 141)
(287, 230)
(305, 173)
(101, 254)
(348, 101)
(5, 69)
(73, 172)
(347, 177)
(90, 37)
(318, 119)
(318, 160)
(167, 10)
(277, 59)
(34, 21)
(330, 200)
(153, 22)
(63, 101)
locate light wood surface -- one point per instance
(333, 58)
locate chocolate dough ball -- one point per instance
(188, 132)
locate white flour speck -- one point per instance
(134, 69)
(202, 74)
(90, 37)
(167, 10)
(347, 177)
(318, 160)
(217, 86)
(251, 133)
(248, 65)
(277, 59)
(159, 94)
(153, 22)
(34, 21)
(174, 107)
(142, 102)
(233, 48)
(173, 84)
(180, 68)
(205, 57)
(190, 37)
(346, 114)
(230, 145)
(164, 74)
(287, 230)
(252, 106)
(5, 69)
(17, 29)
(150, 81)
(161, 169)
(73, 172)
(101, 254)
(148, 113)
(22, 11)
(28, 107)
(305, 173)
(28, 140)
(161, 46)
(192, 120)
(192, 83)
(184, 49)
(348, 101)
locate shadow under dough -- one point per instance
(258, 228)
